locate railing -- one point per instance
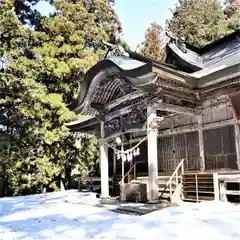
(175, 176)
(129, 174)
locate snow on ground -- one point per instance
(62, 216)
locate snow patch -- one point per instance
(68, 214)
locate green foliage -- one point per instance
(90, 152)
(232, 11)
(44, 72)
(153, 44)
(200, 21)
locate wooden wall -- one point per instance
(172, 149)
(219, 143)
(220, 149)
(212, 112)
(217, 113)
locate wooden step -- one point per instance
(204, 188)
(199, 192)
(200, 198)
(163, 185)
(193, 186)
(198, 187)
(163, 178)
(232, 192)
(198, 173)
(167, 190)
(164, 197)
(198, 179)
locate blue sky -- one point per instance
(135, 16)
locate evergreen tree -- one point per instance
(153, 44)
(43, 75)
(27, 12)
(232, 11)
(199, 22)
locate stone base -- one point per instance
(156, 201)
(135, 192)
(107, 200)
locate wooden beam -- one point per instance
(174, 75)
(132, 130)
(181, 88)
(176, 108)
(195, 127)
(221, 100)
(120, 100)
(188, 128)
(214, 93)
(120, 112)
(178, 95)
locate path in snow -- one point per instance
(61, 216)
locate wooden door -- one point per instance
(172, 149)
(219, 148)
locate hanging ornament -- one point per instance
(124, 157)
(129, 156)
(138, 151)
(134, 153)
(118, 156)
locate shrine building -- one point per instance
(171, 125)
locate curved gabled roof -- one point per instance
(225, 51)
(121, 83)
(111, 79)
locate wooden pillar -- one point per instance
(201, 143)
(104, 165)
(152, 135)
(237, 143)
(123, 196)
(114, 161)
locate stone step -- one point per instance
(167, 190)
(159, 177)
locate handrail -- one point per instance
(180, 165)
(129, 171)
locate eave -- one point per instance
(118, 85)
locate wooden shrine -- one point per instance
(187, 107)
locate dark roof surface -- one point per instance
(226, 39)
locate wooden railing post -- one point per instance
(216, 186)
(182, 167)
(128, 174)
(177, 178)
(175, 174)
